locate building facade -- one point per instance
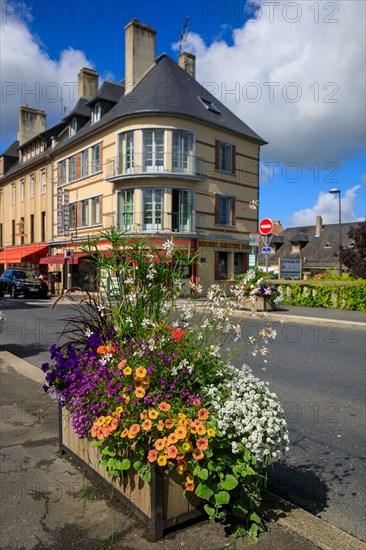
(154, 155)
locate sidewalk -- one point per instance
(48, 502)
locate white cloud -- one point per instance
(30, 76)
(299, 84)
(327, 206)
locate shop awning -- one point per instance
(31, 253)
(60, 258)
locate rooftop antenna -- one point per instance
(184, 34)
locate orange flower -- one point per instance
(146, 425)
(189, 486)
(153, 414)
(143, 415)
(197, 454)
(172, 451)
(164, 406)
(181, 432)
(159, 444)
(133, 431)
(100, 421)
(110, 349)
(182, 467)
(197, 402)
(197, 424)
(126, 399)
(168, 423)
(140, 392)
(152, 456)
(172, 438)
(122, 363)
(161, 425)
(93, 432)
(202, 444)
(124, 433)
(182, 422)
(178, 334)
(140, 372)
(201, 430)
(203, 414)
(102, 350)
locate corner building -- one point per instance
(154, 155)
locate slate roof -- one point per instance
(81, 108)
(315, 251)
(12, 150)
(109, 91)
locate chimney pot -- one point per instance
(140, 48)
(31, 123)
(318, 226)
(187, 62)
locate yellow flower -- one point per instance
(162, 460)
(211, 432)
(119, 410)
(140, 392)
(127, 371)
(100, 421)
(190, 479)
(182, 415)
(108, 419)
(140, 372)
(187, 446)
(153, 414)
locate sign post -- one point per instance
(265, 227)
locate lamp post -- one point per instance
(335, 191)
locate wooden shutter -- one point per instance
(233, 161)
(233, 210)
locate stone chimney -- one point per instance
(140, 46)
(187, 62)
(318, 226)
(31, 123)
(87, 83)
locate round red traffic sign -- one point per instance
(265, 226)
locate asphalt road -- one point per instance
(318, 372)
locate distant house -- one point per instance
(317, 245)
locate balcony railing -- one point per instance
(159, 164)
(154, 221)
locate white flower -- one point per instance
(168, 246)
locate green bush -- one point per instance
(351, 296)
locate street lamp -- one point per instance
(335, 191)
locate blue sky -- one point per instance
(293, 71)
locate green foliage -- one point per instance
(350, 296)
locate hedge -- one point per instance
(336, 295)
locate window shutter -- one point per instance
(233, 161)
(78, 214)
(217, 156)
(233, 211)
(59, 174)
(217, 206)
(77, 166)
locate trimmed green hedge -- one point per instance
(351, 296)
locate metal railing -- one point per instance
(140, 164)
(158, 221)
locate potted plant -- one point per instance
(151, 402)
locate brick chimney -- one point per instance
(140, 46)
(87, 83)
(31, 123)
(187, 62)
(318, 226)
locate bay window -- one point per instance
(153, 150)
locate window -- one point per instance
(96, 158)
(221, 265)
(125, 209)
(96, 113)
(182, 151)
(72, 169)
(13, 194)
(224, 210)
(210, 106)
(225, 157)
(85, 212)
(240, 263)
(21, 230)
(95, 210)
(31, 186)
(72, 215)
(152, 209)
(295, 248)
(85, 163)
(153, 150)
(73, 126)
(182, 201)
(43, 226)
(62, 172)
(31, 229)
(43, 182)
(126, 153)
(21, 190)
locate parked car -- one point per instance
(18, 282)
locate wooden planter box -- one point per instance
(160, 503)
(261, 304)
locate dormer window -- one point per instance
(210, 106)
(73, 126)
(96, 113)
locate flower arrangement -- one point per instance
(256, 286)
(148, 378)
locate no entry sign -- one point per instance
(265, 226)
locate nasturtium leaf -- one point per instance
(222, 497)
(125, 464)
(203, 474)
(203, 491)
(239, 509)
(229, 482)
(254, 517)
(137, 465)
(210, 510)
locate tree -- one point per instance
(355, 257)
